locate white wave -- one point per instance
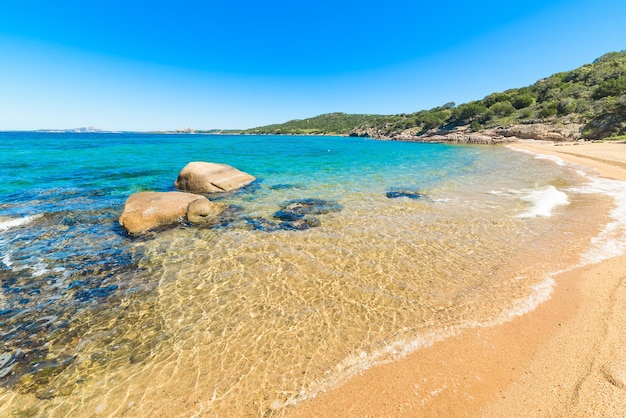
(6, 259)
(8, 223)
(541, 292)
(611, 241)
(39, 269)
(362, 361)
(544, 201)
(557, 160)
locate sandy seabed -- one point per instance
(567, 358)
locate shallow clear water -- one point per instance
(241, 319)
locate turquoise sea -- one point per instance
(248, 317)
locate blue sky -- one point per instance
(157, 65)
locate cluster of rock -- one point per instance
(295, 215)
(462, 134)
(145, 211)
(466, 137)
(540, 131)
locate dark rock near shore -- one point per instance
(300, 224)
(300, 214)
(287, 186)
(411, 194)
(297, 209)
(295, 215)
(262, 224)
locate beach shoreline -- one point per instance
(565, 358)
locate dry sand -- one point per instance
(567, 358)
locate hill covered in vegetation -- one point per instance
(586, 103)
(328, 124)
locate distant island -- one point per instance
(588, 103)
(89, 129)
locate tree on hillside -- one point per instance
(611, 87)
(466, 113)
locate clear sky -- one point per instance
(164, 65)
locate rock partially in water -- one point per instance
(205, 212)
(203, 177)
(145, 211)
(398, 193)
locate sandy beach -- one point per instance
(564, 359)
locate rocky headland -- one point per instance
(587, 103)
(495, 135)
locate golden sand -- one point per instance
(566, 358)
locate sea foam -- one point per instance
(557, 160)
(611, 241)
(544, 201)
(8, 223)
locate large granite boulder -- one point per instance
(203, 177)
(148, 210)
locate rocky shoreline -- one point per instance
(497, 135)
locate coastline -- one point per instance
(565, 358)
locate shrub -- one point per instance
(467, 112)
(522, 101)
(431, 119)
(548, 109)
(611, 87)
(526, 113)
(475, 126)
(566, 106)
(502, 108)
(494, 98)
(620, 105)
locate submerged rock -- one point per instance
(295, 215)
(297, 209)
(300, 214)
(286, 186)
(262, 224)
(411, 194)
(203, 177)
(148, 210)
(300, 224)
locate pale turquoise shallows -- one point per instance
(252, 315)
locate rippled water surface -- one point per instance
(248, 317)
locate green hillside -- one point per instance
(328, 124)
(593, 95)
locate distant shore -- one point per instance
(565, 358)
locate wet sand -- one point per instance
(564, 359)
